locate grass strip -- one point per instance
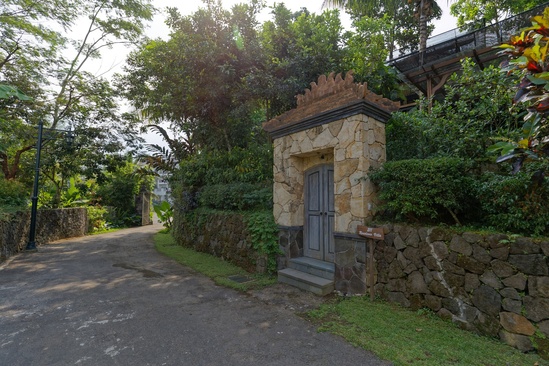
(413, 338)
(213, 267)
(393, 333)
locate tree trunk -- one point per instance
(422, 29)
(10, 172)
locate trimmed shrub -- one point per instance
(236, 196)
(434, 190)
(13, 193)
(97, 218)
(515, 203)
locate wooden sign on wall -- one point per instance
(375, 233)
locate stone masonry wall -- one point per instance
(353, 145)
(224, 235)
(488, 283)
(51, 225)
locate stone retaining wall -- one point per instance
(224, 235)
(489, 283)
(51, 225)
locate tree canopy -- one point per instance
(44, 71)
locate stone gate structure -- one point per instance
(323, 150)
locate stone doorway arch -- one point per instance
(339, 122)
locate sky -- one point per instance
(187, 7)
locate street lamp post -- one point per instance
(31, 245)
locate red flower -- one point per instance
(534, 67)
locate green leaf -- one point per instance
(537, 80)
(8, 91)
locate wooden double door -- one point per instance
(319, 213)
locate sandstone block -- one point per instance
(399, 298)
(544, 327)
(517, 281)
(437, 234)
(445, 314)
(439, 289)
(510, 293)
(500, 253)
(487, 300)
(481, 254)
(524, 246)
(513, 306)
(452, 268)
(434, 302)
(471, 237)
(413, 239)
(497, 240)
(536, 309)
(516, 323)
(530, 264)
(416, 284)
(471, 282)
(538, 286)
(460, 245)
(521, 342)
(490, 279)
(440, 249)
(544, 245)
(487, 324)
(502, 269)
(470, 264)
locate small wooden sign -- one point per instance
(375, 233)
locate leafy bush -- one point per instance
(251, 165)
(235, 196)
(119, 192)
(264, 233)
(473, 114)
(515, 203)
(427, 189)
(164, 211)
(97, 218)
(13, 193)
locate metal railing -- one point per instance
(456, 41)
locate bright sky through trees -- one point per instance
(158, 29)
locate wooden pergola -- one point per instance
(442, 57)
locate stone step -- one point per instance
(305, 281)
(313, 266)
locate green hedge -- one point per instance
(433, 190)
(514, 203)
(13, 193)
(236, 196)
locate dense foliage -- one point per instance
(512, 203)
(430, 190)
(119, 193)
(528, 59)
(474, 112)
(474, 14)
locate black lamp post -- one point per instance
(31, 245)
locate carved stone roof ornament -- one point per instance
(332, 92)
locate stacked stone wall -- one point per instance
(493, 284)
(51, 225)
(223, 234)
(352, 145)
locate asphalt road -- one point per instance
(113, 300)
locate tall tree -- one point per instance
(198, 79)
(46, 65)
(424, 12)
(299, 47)
(473, 14)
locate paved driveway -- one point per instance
(112, 300)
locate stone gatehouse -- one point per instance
(323, 150)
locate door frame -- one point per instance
(321, 216)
